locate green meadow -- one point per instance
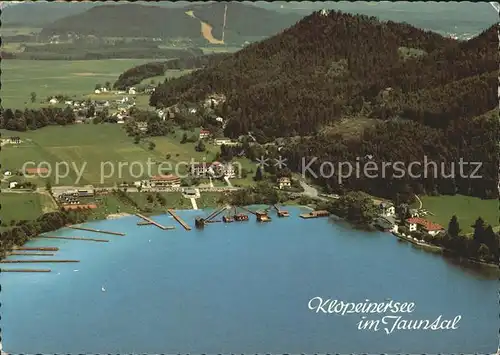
(19, 206)
(102, 150)
(466, 208)
(52, 77)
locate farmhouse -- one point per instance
(53, 101)
(387, 209)
(13, 185)
(204, 133)
(15, 140)
(224, 141)
(165, 181)
(35, 171)
(423, 225)
(142, 126)
(215, 169)
(132, 91)
(284, 182)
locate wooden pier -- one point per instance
(281, 213)
(96, 230)
(32, 254)
(77, 238)
(147, 219)
(179, 220)
(25, 270)
(37, 261)
(144, 223)
(38, 248)
(315, 214)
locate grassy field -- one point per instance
(94, 145)
(467, 209)
(52, 77)
(17, 206)
(96, 149)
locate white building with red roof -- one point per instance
(423, 225)
(165, 181)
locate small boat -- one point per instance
(103, 289)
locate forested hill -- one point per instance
(416, 93)
(135, 20)
(327, 66)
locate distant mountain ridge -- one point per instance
(136, 20)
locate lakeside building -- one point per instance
(423, 225)
(204, 134)
(284, 182)
(215, 169)
(168, 180)
(387, 209)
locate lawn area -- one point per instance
(94, 148)
(168, 74)
(18, 206)
(466, 208)
(51, 77)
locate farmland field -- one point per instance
(95, 149)
(19, 206)
(52, 77)
(466, 208)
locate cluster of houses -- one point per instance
(388, 221)
(72, 197)
(206, 134)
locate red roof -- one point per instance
(430, 226)
(165, 178)
(204, 131)
(36, 170)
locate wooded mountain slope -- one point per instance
(134, 20)
(340, 67)
(327, 66)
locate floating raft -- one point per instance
(38, 248)
(96, 230)
(37, 261)
(315, 214)
(78, 238)
(178, 219)
(25, 270)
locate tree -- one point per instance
(479, 230)
(258, 174)
(184, 138)
(137, 139)
(200, 147)
(107, 85)
(98, 87)
(48, 186)
(151, 146)
(150, 198)
(33, 96)
(453, 227)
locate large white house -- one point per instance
(423, 225)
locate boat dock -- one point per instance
(144, 223)
(147, 219)
(315, 214)
(38, 248)
(25, 270)
(179, 220)
(32, 254)
(37, 261)
(77, 238)
(96, 230)
(281, 213)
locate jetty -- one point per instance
(77, 238)
(32, 254)
(147, 219)
(37, 261)
(315, 214)
(179, 219)
(262, 216)
(200, 222)
(281, 213)
(95, 230)
(144, 223)
(38, 248)
(25, 270)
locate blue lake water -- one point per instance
(239, 288)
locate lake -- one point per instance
(240, 288)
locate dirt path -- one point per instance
(206, 30)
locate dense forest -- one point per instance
(137, 74)
(17, 120)
(439, 104)
(135, 20)
(91, 51)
